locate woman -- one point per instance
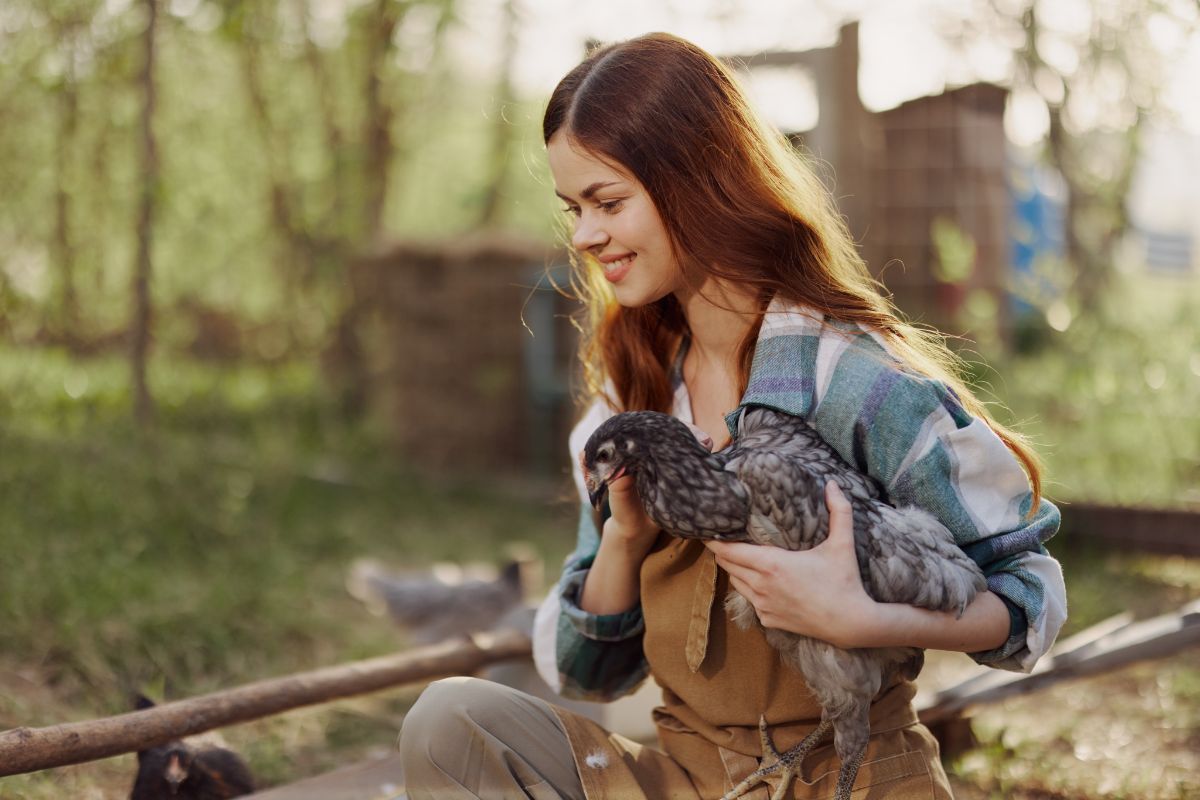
(717, 275)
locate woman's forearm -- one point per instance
(984, 625)
(613, 583)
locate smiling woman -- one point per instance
(616, 223)
(718, 276)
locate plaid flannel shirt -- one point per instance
(907, 431)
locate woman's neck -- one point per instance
(718, 317)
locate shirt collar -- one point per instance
(781, 375)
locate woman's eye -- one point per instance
(573, 210)
(611, 207)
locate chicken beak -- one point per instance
(597, 485)
(597, 489)
(176, 774)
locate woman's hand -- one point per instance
(817, 592)
(629, 523)
(613, 584)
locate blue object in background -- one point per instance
(1036, 229)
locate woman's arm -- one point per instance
(819, 593)
(613, 584)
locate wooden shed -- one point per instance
(943, 161)
(895, 173)
(469, 351)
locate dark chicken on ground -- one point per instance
(199, 768)
(768, 487)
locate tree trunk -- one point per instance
(338, 224)
(295, 262)
(345, 353)
(140, 328)
(1095, 217)
(502, 129)
(64, 252)
(377, 126)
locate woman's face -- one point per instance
(616, 222)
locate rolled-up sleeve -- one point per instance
(913, 435)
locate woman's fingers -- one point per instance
(739, 554)
(841, 517)
(745, 589)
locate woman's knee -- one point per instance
(487, 739)
(441, 712)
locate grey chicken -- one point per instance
(433, 608)
(767, 487)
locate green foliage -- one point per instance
(263, 200)
(1128, 734)
(211, 551)
(955, 251)
(1113, 402)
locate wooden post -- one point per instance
(31, 749)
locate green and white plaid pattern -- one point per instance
(909, 432)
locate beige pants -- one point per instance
(472, 738)
(466, 737)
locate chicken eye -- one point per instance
(604, 453)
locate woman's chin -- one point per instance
(629, 295)
(637, 302)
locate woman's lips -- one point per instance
(620, 268)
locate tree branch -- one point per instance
(31, 749)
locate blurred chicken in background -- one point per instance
(452, 601)
(447, 600)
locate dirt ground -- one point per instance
(1134, 733)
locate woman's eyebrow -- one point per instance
(589, 191)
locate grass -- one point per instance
(213, 551)
(1129, 734)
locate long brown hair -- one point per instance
(739, 204)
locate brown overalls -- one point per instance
(716, 681)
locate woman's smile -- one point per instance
(614, 271)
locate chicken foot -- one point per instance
(846, 776)
(786, 764)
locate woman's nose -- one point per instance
(588, 233)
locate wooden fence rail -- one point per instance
(1108, 645)
(31, 749)
(1157, 530)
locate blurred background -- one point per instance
(281, 288)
